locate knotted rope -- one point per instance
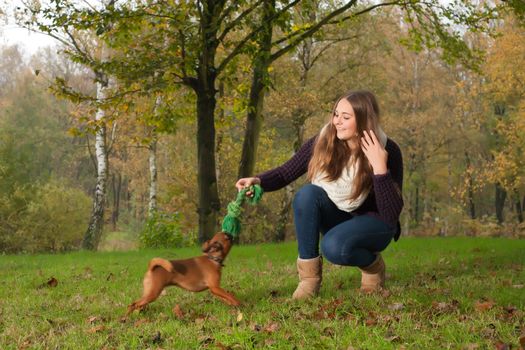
(231, 223)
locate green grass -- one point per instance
(443, 293)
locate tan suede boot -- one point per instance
(310, 277)
(373, 276)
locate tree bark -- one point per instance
(257, 93)
(470, 189)
(152, 149)
(117, 188)
(96, 221)
(519, 207)
(209, 203)
(501, 195)
(152, 204)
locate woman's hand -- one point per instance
(374, 151)
(247, 182)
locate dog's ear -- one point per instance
(206, 246)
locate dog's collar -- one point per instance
(216, 259)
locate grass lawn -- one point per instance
(443, 293)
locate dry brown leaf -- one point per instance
(396, 306)
(221, 346)
(522, 342)
(140, 322)
(371, 322)
(502, 346)
(93, 319)
(272, 327)
(205, 339)
(329, 331)
(53, 282)
(269, 342)
(484, 305)
(256, 327)
(96, 329)
(178, 312)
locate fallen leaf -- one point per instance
(93, 319)
(256, 327)
(329, 332)
(396, 306)
(53, 282)
(522, 342)
(484, 305)
(472, 346)
(221, 346)
(140, 322)
(370, 322)
(502, 346)
(157, 339)
(96, 329)
(178, 312)
(239, 317)
(272, 327)
(205, 339)
(393, 338)
(269, 342)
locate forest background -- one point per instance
(133, 131)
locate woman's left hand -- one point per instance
(375, 152)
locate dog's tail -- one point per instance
(165, 264)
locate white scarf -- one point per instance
(339, 191)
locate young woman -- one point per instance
(354, 196)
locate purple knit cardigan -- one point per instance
(384, 201)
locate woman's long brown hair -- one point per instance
(332, 155)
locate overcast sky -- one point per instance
(11, 33)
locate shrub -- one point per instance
(48, 217)
(163, 230)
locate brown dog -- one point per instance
(194, 274)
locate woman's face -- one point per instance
(344, 120)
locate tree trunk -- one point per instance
(152, 148)
(152, 205)
(286, 203)
(519, 207)
(257, 93)
(96, 221)
(117, 188)
(416, 205)
(470, 189)
(209, 203)
(501, 195)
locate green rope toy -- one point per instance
(231, 223)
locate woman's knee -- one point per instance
(331, 250)
(306, 195)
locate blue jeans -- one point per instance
(347, 239)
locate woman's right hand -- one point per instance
(247, 182)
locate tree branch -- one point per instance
(247, 38)
(237, 20)
(312, 30)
